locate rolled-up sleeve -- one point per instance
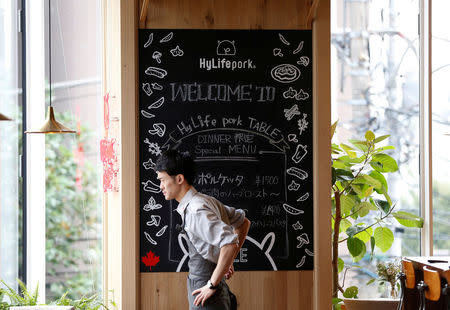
(236, 216)
(208, 227)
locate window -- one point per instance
(60, 197)
(441, 128)
(10, 144)
(375, 86)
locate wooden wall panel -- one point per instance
(255, 290)
(227, 14)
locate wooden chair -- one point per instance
(430, 291)
(446, 288)
(409, 298)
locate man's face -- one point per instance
(168, 185)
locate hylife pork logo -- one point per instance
(225, 48)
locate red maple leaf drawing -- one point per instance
(150, 260)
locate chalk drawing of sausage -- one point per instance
(285, 73)
(292, 210)
(302, 261)
(156, 86)
(283, 39)
(158, 72)
(149, 41)
(147, 235)
(161, 231)
(158, 129)
(299, 48)
(298, 173)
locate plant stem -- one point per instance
(337, 223)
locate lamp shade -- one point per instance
(51, 125)
(4, 118)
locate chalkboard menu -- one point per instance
(240, 101)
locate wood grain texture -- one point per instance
(231, 14)
(408, 269)
(253, 289)
(432, 279)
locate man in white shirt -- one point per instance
(215, 232)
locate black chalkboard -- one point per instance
(240, 102)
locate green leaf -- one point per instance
(347, 203)
(353, 230)
(339, 164)
(357, 189)
(372, 181)
(368, 192)
(384, 148)
(381, 138)
(356, 247)
(383, 238)
(335, 301)
(364, 208)
(408, 219)
(365, 236)
(349, 150)
(340, 265)
(351, 292)
(372, 244)
(344, 225)
(370, 281)
(380, 178)
(383, 163)
(382, 205)
(344, 175)
(361, 145)
(370, 136)
(333, 128)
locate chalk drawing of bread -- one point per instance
(285, 73)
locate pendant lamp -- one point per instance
(4, 117)
(51, 125)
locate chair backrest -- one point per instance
(432, 279)
(408, 270)
(446, 275)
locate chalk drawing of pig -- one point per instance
(226, 48)
(266, 246)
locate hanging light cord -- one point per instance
(50, 52)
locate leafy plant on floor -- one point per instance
(361, 205)
(9, 297)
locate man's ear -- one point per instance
(179, 178)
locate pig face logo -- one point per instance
(226, 48)
(265, 246)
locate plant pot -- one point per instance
(371, 304)
(42, 308)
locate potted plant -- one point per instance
(361, 204)
(26, 300)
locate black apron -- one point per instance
(200, 271)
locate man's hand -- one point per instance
(230, 272)
(203, 294)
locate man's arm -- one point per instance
(226, 257)
(242, 232)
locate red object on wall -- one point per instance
(108, 154)
(110, 164)
(150, 260)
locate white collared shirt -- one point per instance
(209, 223)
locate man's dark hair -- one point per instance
(174, 162)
